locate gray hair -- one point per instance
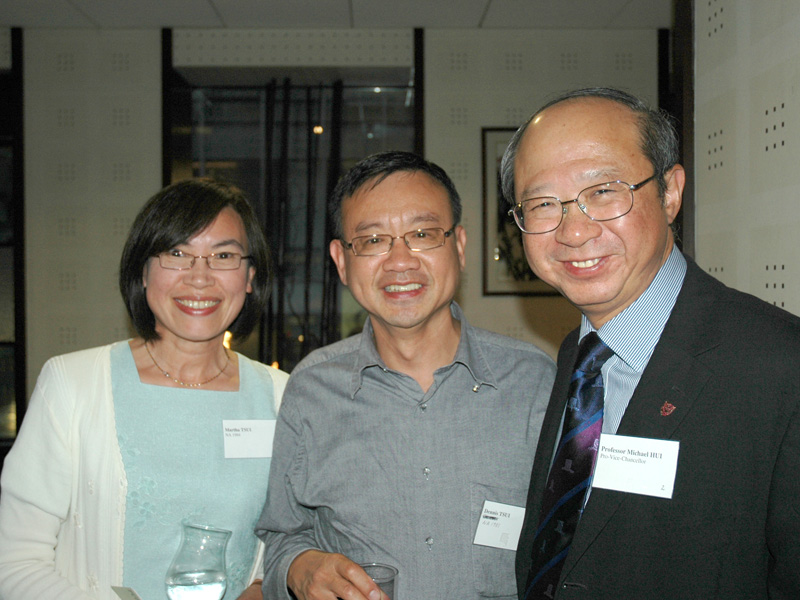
(659, 140)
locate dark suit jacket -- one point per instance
(730, 364)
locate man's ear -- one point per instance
(675, 179)
(337, 251)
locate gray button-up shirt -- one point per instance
(367, 464)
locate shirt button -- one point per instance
(423, 406)
(426, 471)
(429, 541)
(475, 388)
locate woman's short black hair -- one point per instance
(172, 217)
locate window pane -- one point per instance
(8, 405)
(6, 294)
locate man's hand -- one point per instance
(317, 575)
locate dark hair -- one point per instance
(658, 138)
(173, 216)
(378, 167)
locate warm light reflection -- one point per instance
(318, 129)
(226, 339)
(275, 365)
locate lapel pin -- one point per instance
(667, 409)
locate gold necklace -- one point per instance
(183, 383)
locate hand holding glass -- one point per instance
(383, 575)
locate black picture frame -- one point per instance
(505, 269)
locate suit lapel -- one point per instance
(670, 384)
(551, 429)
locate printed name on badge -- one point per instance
(499, 525)
(249, 438)
(636, 465)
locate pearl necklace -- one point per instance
(183, 383)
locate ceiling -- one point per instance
(337, 14)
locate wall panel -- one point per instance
(92, 158)
(747, 107)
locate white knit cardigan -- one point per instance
(63, 486)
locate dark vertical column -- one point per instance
(329, 326)
(267, 345)
(683, 66)
(282, 229)
(16, 110)
(311, 193)
(676, 96)
(419, 91)
(166, 114)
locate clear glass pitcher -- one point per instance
(198, 570)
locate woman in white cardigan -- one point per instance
(123, 444)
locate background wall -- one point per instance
(92, 157)
(93, 145)
(498, 78)
(473, 79)
(747, 148)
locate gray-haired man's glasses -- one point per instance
(602, 202)
(381, 243)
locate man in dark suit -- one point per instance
(684, 367)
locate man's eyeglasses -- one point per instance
(602, 202)
(381, 243)
(182, 261)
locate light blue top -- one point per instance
(173, 451)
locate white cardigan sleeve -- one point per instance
(62, 503)
(36, 492)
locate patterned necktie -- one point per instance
(571, 471)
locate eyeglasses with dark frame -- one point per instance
(601, 202)
(177, 260)
(418, 240)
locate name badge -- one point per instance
(499, 525)
(636, 465)
(125, 593)
(251, 438)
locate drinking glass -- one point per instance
(383, 575)
(198, 570)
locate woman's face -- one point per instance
(200, 303)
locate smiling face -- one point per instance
(402, 289)
(199, 304)
(601, 267)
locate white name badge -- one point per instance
(251, 438)
(636, 465)
(499, 525)
(125, 593)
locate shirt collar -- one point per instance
(468, 354)
(634, 333)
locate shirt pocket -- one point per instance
(493, 568)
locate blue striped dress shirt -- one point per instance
(633, 335)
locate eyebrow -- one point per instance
(220, 244)
(599, 175)
(417, 222)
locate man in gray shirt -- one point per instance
(408, 444)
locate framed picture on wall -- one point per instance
(505, 269)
